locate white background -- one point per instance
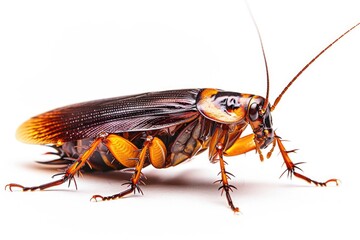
(54, 54)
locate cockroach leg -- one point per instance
(268, 155)
(58, 151)
(321, 184)
(67, 175)
(10, 186)
(292, 167)
(131, 189)
(40, 187)
(226, 187)
(136, 177)
(61, 161)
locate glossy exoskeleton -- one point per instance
(161, 129)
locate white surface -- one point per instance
(56, 54)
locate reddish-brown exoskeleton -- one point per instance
(161, 129)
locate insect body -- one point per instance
(161, 129)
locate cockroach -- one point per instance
(162, 129)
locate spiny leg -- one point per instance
(240, 146)
(136, 177)
(291, 167)
(225, 187)
(69, 172)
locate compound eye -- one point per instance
(254, 112)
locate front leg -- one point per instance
(291, 167)
(243, 145)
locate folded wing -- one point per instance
(142, 112)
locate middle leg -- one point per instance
(152, 148)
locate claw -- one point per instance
(12, 185)
(337, 181)
(96, 197)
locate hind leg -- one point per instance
(69, 173)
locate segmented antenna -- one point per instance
(277, 100)
(266, 103)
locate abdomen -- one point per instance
(182, 142)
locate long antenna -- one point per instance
(277, 100)
(266, 103)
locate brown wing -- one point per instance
(142, 112)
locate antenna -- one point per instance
(266, 103)
(277, 100)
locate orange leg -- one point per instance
(240, 146)
(216, 153)
(243, 145)
(225, 186)
(68, 174)
(119, 146)
(153, 147)
(291, 167)
(124, 151)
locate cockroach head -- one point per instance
(261, 121)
